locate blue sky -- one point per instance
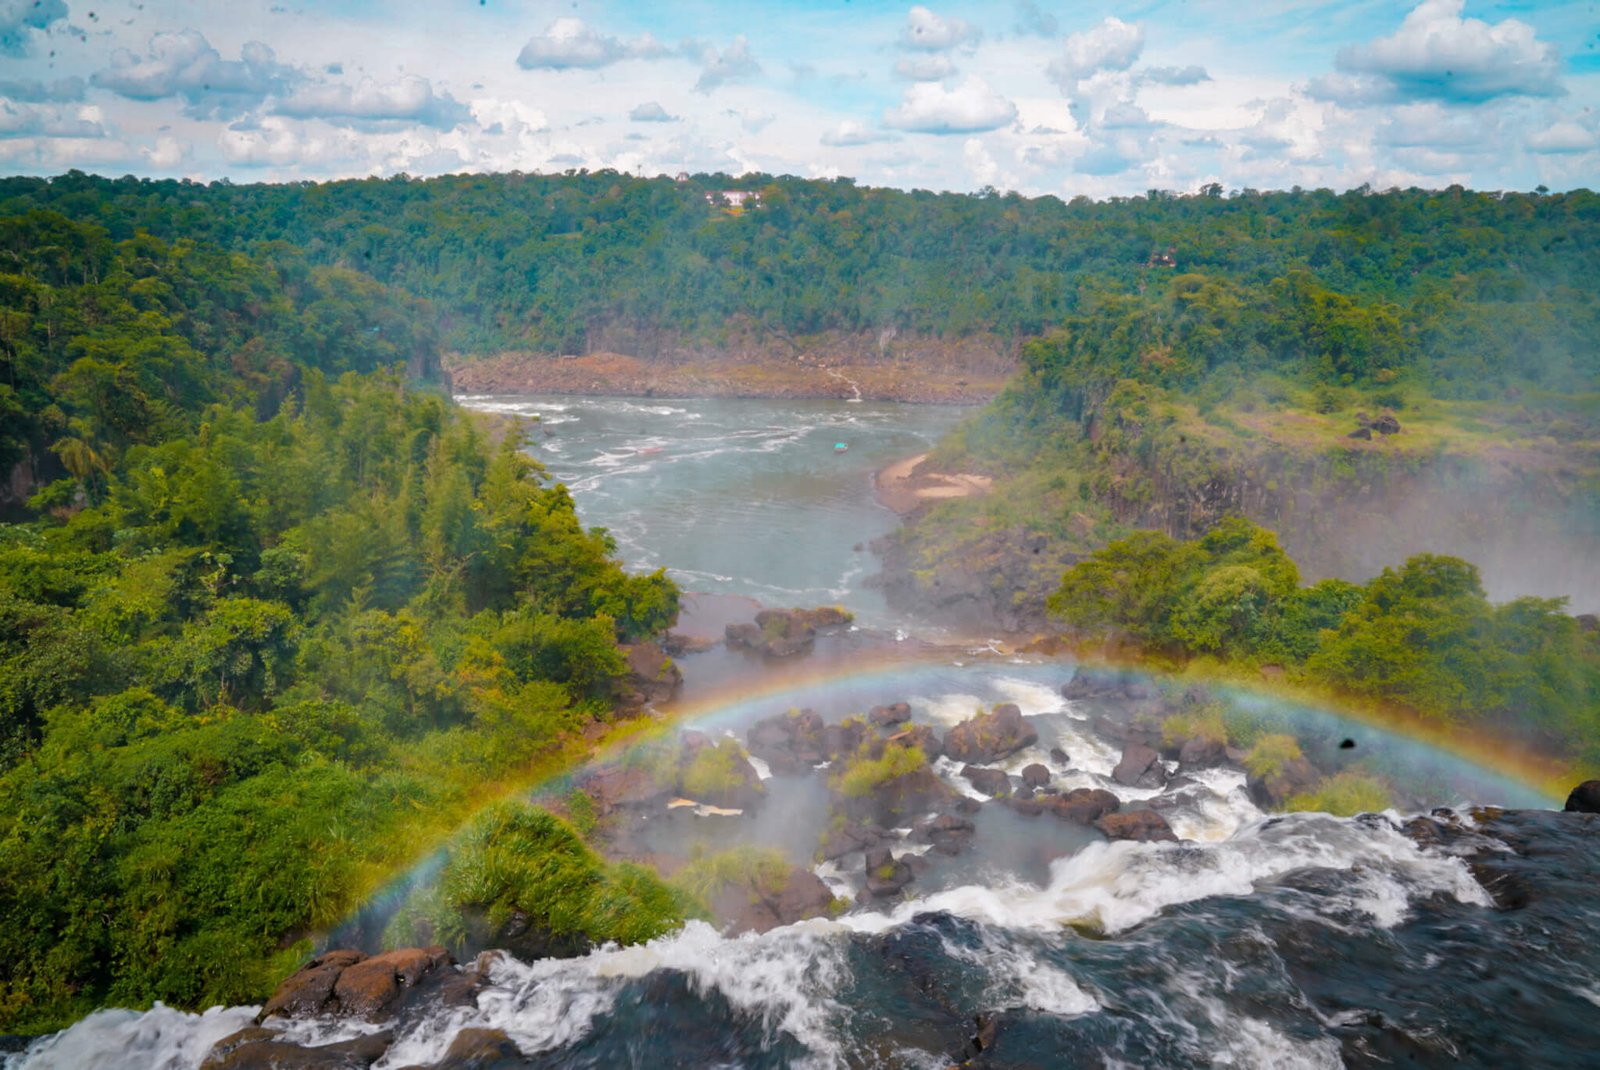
(1069, 98)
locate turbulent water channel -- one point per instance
(1407, 938)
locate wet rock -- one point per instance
(965, 805)
(789, 743)
(618, 787)
(752, 906)
(1089, 682)
(1084, 805)
(921, 736)
(1140, 767)
(1276, 788)
(992, 782)
(804, 896)
(1035, 775)
(948, 833)
(783, 633)
(843, 739)
(1144, 826)
(1386, 424)
(990, 737)
(1201, 753)
(1061, 758)
(1363, 433)
(886, 875)
(651, 676)
(850, 838)
(1028, 805)
(263, 1049)
(1585, 798)
(482, 1049)
(366, 988)
(677, 645)
(887, 716)
(304, 993)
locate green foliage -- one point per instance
(1344, 795)
(755, 871)
(519, 861)
(865, 775)
(1270, 754)
(1205, 722)
(715, 771)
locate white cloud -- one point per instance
(1031, 20)
(39, 120)
(60, 91)
(850, 132)
(1190, 75)
(970, 107)
(651, 112)
(926, 32)
(981, 165)
(409, 100)
(1437, 54)
(570, 42)
(1562, 138)
(271, 143)
(20, 18)
(732, 64)
(1113, 45)
(166, 154)
(932, 67)
(185, 65)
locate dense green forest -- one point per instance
(286, 616)
(1422, 636)
(1465, 290)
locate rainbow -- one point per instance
(1436, 759)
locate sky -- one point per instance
(1038, 96)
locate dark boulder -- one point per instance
(651, 676)
(1140, 767)
(888, 716)
(783, 633)
(1144, 826)
(1363, 433)
(948, 833)
(790, 742)
(886, 875)
(1386, 424)
(920, 736)
(365, 989)
(1035, 775)
(843, 739)
(1202, 753)
(304, 993)
(1585, 798)
(482, 1049)
(992, 782)
(754, 904)
(1062, 759)
(850, 838)
(989, 737)
(1278, 786)
(263, 1049)
(1083, 805)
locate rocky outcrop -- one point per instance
(950, 834)
(749, 906)
(1144, 826)
(992, 782)
(348, 984)
(1035, 775)
(1083, 805)
(1276, 787)
(889, 716)
(990, 737)
(1585, 798)
(1140, 767)
(790, 743)
(886, 875)
(263, 1049)
(783, 633)
(652, 677)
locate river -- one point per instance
(1255, 940)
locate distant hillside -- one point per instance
(1470, 289)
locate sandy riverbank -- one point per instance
(906, 486)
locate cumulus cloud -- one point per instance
(969, 108)
(1113, 45)
(651, 112)
(166, 154)
(732, 64)
(570, 42)
(925, 31)
(60, 91)
(849, 132)
(411, 100)
(33, 120)
(1179, 76)
(185, 65)
(1102, 160)
(931, 67)
(1563, 138)
(19, 19)
(1439, 55)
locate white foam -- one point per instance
(1115, 886)
(158, 1039)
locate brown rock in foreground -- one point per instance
(346, 983)
(990, 737)
(1145, 826)
(1585, 798)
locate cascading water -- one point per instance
(1257, 940)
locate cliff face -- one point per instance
(743, 362)
(1525, 510)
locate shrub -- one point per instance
(1270, 754)
(1345, 795)
(865, 775)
